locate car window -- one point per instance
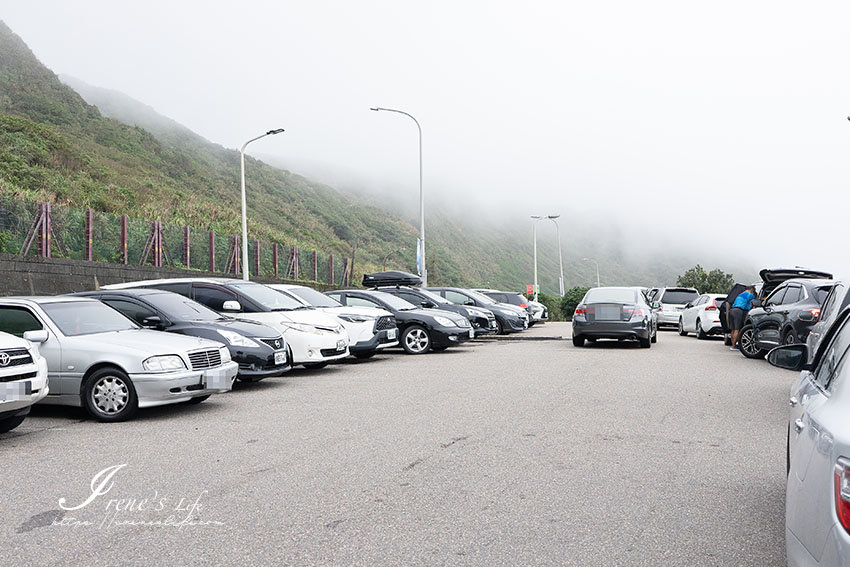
(18, 320)
(411, 297)
(131, 309)
(314, 298)
(702, 300)
(793, 295)
(361, 302)
(456, 297)
(833, 356)
(776, 297)
(831, 302)
(184, 288)
(678, 297)
(821, 292)
(213, 297)
(610, 295)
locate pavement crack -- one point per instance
(453, 441)
(413, 464)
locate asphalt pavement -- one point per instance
(493, 453)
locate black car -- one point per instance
(620, 313)
(836, 301)
(770, 279)
(785, 317)
(509, 318)
(482, 320)
(259, 349)
(421, 330)
(514, 299)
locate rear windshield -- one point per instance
(678, 297)
(610, 295)
(821, 293)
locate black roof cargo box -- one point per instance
(393, 277)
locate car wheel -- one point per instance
(645, 343)
(747, 343)
(682, 330)
(789, 338)
(10, 423)
(316, 365)
(109, 395)
(364, 355)
(415, 340)
(500, 329)
(700, 333)
(578, 341)
(198, 399)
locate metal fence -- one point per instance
(54, 231)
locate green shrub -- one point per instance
(570, 300)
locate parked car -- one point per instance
(785, 317)
(770, 279)
(369, 329)
(100, 360)
(509, 318)
(672, 302)
(836, 301)
(817, 494)
(314, 338)
(259, 350)
(702, 317)
(482, 320)
(23, 378)
(511, 298)
(614, 313)
(422, 330)
(539, 312)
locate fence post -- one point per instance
(274, 259)
(125, 259)
(331, 269)
(44, 236)
(186, 245)
(256, 257)
(89, 230)
(212, 250)
(315, 266)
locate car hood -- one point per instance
(313, 317)
(147, 342)
(366, 311)
(774, 277)
(11, 341)
(241, 326)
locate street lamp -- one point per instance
(421, 248)
(245, 271)
(560, 258)
(387, 257)
(597, 269)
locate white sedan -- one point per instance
(702, 317)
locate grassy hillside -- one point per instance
(120, 156)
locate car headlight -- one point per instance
(303, 327)
(225, 355)
(444, 322)
(506, 312)
(163, 363)
(352, 318)
(236, 339)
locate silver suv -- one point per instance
(23, 378)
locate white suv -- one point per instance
(23, 378)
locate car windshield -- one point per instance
(679, 296)
(181, 308)
(314, 298)
(269, 298)
(75, 318)
(433, 297)
(610, 295)
(394, 302)
(479, 297)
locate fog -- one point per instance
(717, 130)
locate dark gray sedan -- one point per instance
(614, 313)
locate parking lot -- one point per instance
(499, 452)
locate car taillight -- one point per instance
(580, 310)
(712, 307)
(842, 492)
(523, 305)
(633, 311)
(815, 312)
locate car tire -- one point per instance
(415, 340)
(10, 423)
(682, 330)
(788, 338)
(578, 341)
(645, 343)
(315, 365)
(109, 395)
(364, 355)
(747, 343)
(500, 329)
(700, 333)
(197, 400)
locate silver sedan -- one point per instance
(102, 361)
(817, 498)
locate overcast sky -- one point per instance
(655, 116)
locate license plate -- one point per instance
(15, 391)
(340, 346)
(279, 358)
(391, 334)
(216, 379)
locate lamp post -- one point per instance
(597, 269)
(387, 257)
(421, 248)
(552, 218)
(245, 271)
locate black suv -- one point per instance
(785, 317)
(482, 320)
(421, 330)
(259, 349)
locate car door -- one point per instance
(18, 319)
(689, 315)
(458, 298)
(786, 313)
(810, 480)
(766, 320)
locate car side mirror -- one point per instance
(233, 306)
(790, 357)
(688, 305)
(757, 303)
(469, 302)
(39, 336)
(428, 304)
(152, 322)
